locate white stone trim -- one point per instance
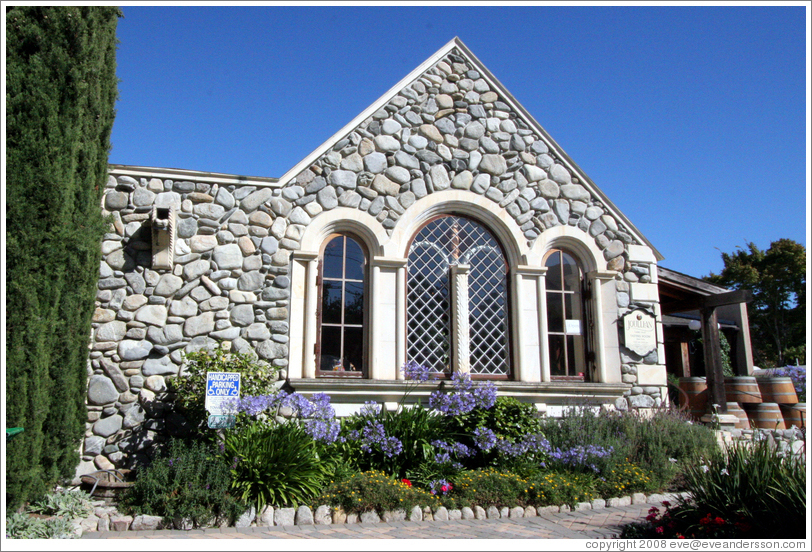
(459, 202)
(573, 239)
(344, 219)
(460, 345)
(196, 176)
(528, 314)
(642, 254)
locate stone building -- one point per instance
(442, 225)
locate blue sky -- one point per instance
(692, 120)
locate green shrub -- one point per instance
(374, 490)
(489, 487)
(24, 526)
(554, 488)
(256, 378)
(624, 479)
(276, 464)
(749, 492)
(64, 506)
(429, 470)
(71, 505)
(188, 480)
(508, 418)
(660, 443)
(415, 428)
(60, 94)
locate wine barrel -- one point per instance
(777, 390)
(764, 416)
(742, 390)
(694, 398)
(794, 414)
(737, 410)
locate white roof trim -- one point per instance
(553, 145)
(379, 103)
(197, 176)
(508, 98)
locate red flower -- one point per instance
(444, 488)
(719, 521)
(659, 529)
(680, 536)
(406, 482)
(705, 520)
(743, 526)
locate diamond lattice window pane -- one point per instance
(444, 242)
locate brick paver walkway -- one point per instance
(586, 524)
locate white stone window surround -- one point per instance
(387, 287)
(604, 304)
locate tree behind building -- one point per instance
(777, 278)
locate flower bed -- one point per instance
(468, 453)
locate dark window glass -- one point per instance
(555, 316)
(554, 271)
(573, 305)
(331, 302)
(558, 359)
(330, 347)
(354, 303)
(353, 349)
(341, 332)
(333, 261)
(565, 316)
(571, 273)
(355, 262)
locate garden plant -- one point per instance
(466, 447)
(749, 491)
(51, 516)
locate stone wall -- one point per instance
(450, 129)
(646, 374)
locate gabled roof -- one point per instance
(506, 96)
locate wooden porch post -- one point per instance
(713, 360)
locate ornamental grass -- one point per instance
(750, 491)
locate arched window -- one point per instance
(341, 347)
(481, 278)
(567, 320)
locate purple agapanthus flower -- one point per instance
(580, 456)
(416, 372)
(484, 438)
(466, 396)
(374, 433)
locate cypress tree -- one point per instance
(61, 89)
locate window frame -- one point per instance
(586, 319)
(510, 372)
(363, 373)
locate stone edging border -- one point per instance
(107, 518)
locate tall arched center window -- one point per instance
(567, 327)
(458, 299)
(341, 348)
